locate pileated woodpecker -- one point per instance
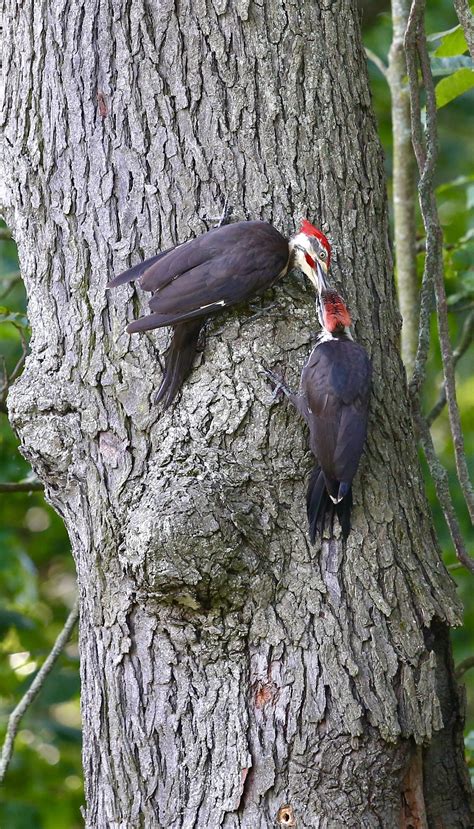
(217, 270)
(334, 400)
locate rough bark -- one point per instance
(231, 674)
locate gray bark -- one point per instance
(232, 675)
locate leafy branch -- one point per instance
(426, 150)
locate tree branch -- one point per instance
(21, 486)
(9, 378)
(464, 343)
(11, 279)
(404, 188)
(440, 480)
(378, 62)
(38, 682)
(466, 20)
(426, 155)
(464, 666)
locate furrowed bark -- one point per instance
(229, 670)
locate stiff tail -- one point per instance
(320, 506)
(137, 271)
(178, 360)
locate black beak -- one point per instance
(321, 271)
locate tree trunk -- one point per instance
(232, 675)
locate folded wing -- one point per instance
(336, 384)
(221, 268)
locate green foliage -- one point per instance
(447, 59)
(455, 196)
(455, 85)
(43, 787)
(453, 42)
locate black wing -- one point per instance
(221, 268)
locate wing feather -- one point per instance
(336, 384)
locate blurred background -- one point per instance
(37, 581)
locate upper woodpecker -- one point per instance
(334, 400)
(219, 269)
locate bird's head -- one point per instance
(311, 253)
(333, 312)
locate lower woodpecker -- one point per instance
(334, 401)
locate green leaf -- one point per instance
(453, 43)
(446, 66)
(450, 88)
(460, 181)
(439, 35)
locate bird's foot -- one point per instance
(224, 218)
(278, 383)
(259, 312)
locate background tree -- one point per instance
(240, 648)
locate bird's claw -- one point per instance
(224, 218)
(278, 383)
(259, 312)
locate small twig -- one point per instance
(464, 666)
(464, 343)
(378, 62)
(21, 486)
(38, 682)
(440, 480)
(466, 20)
(11, 280)
(433, 225)
(9, 378)
(433, 276)
(17, 370)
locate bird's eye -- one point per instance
(322, 254)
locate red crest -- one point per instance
(310, 230)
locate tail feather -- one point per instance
(136, 271)
(178, 360)
(343, 512)
(320, 507)
(318, 503)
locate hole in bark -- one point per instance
(286, 816)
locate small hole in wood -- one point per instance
(286, 816)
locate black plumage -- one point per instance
(334, 400)
(199, 278)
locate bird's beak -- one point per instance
(321, 276)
